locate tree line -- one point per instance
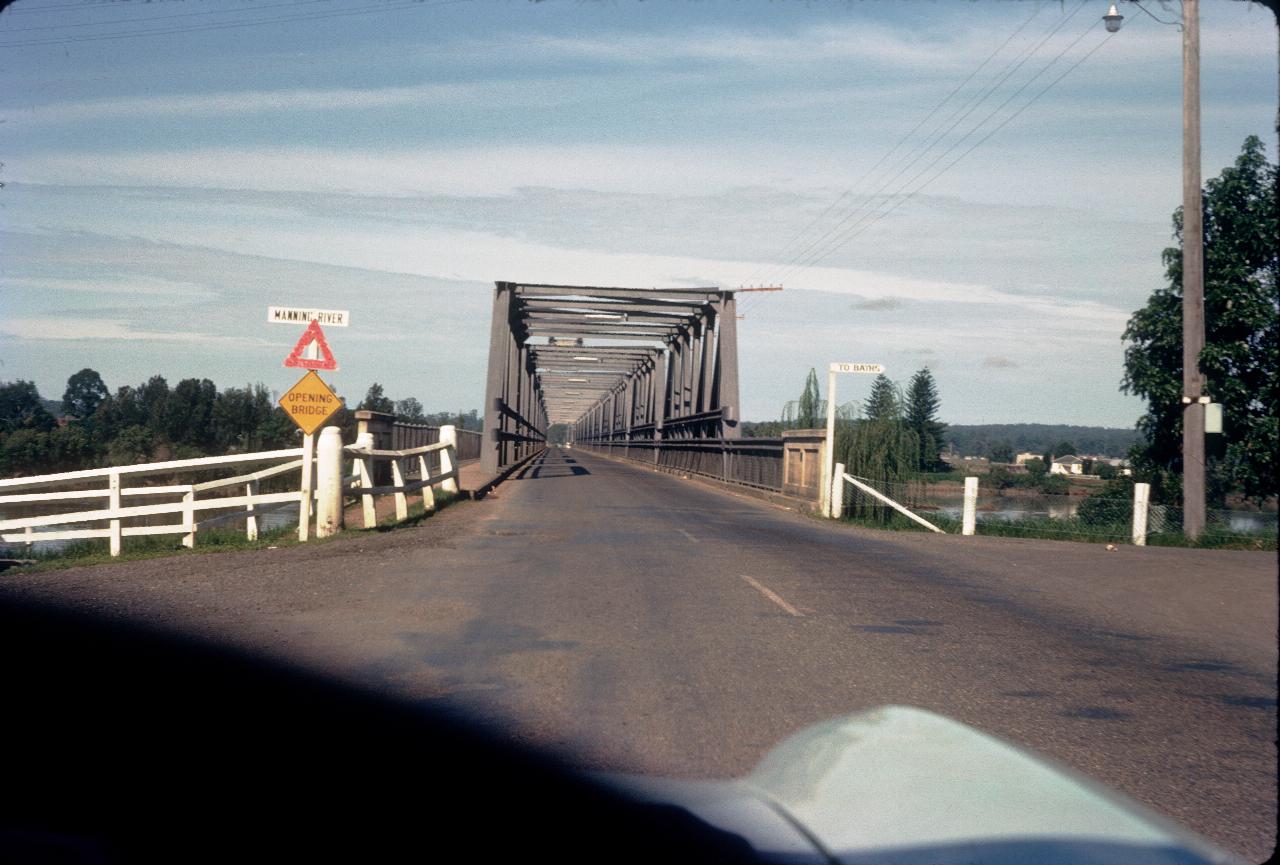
(153, 421)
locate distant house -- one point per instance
(1021, 459)
(1067, 465)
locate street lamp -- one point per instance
(1193, 401)
(1112, 19)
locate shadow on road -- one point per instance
(550, 465)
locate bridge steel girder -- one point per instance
(621, 366)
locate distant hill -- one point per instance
(52, 406)
(977, 440)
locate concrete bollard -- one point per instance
(449, 436)
(1141, 501)
(837, 492)
(969, 523)
(329, 483)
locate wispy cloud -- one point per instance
(79, 329)
(878, 304)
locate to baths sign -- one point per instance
(310, 403)
(873, 368)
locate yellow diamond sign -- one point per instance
(310, 403)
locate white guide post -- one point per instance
(837, 492)
(829, 452)
(1141, 502)
(449, 436)
(304, 494)
(329, 482)
(969, 522)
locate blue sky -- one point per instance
(395, 159)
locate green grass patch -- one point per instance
(95, 551)
(1069, 529)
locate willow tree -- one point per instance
(881, 449)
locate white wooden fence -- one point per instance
(194, 503)
(185, 499)
(365, 457)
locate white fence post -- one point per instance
(837, 492)
(304, 494)
(428, 494)
(449, 436)
(189, 518)
(1141, 500)
(970, 519)
(397, 481)
(329, 482)
(113, 504)
(251, 516)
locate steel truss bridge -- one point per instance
(651, 373)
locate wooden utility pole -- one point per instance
(1193, 470)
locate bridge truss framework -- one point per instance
(645, 368)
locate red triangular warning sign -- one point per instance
(313, 333)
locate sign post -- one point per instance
(829, 457)
(309, 403)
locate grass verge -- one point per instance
(1072, 530)
(95, 551)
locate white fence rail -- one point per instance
(200, 505)
(186, 501)
(361, 482)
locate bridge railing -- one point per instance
(749, 462)
(54, 496)
(411, 469)
(406, 435)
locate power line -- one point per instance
(847, 192)
(933, 138)
(840, 235)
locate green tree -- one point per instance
(25, 451)
(922, 418)
(410, 410)
(1002, 452)
(187, 417)
(20, 408)
(1242, 337)
(375, 400)
(152, 397)
(134, 444)
(85, 392)
(883, 403)
(809, 410)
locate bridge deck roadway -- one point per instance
(643, 622)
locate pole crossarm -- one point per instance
(607, 360)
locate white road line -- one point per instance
(771, 595)
(687, 535)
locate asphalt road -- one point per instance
(643, 622)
